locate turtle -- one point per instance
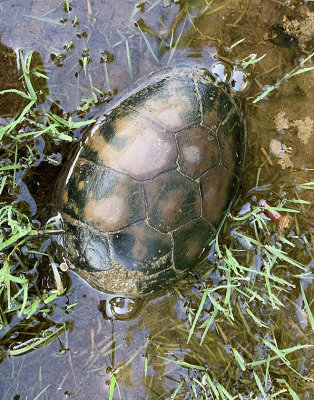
(151, 183)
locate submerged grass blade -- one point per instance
(307, 307)
(107, 78)
(128, 58)
(239, 359)
(259, 385)
(173, 49)
(236, 43)
(184, 364)
(212, 386)
(279, 353)
(200, 309)
(255, 319)
(148, 45)
(35, 343)
(145, 366)
(208, 323)
(264, 94)
(44, 19)
(177, 390)
(291, 391)
(41, 392)
(224, 392)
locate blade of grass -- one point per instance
(177, 390)
(148, 45)
(198, 313)
(41, 392)
(26, 75)
(208, 323)
(35, 343)
(16, 237)
(128, 58)
(259, 385)
(307, 307)
(291, 391)
(255, 319)
(184, 364)
(26, 96)
(239, 359)
(212, 386)
(44, 19)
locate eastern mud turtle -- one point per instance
(150, 184)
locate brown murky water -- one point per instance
(108, 45)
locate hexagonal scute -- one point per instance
(208, 94)
(131, 144)
(172, 200)
(103, 198)
(190, 242)
(218, 187)
(86, 249)
(140, 247)
(224, 105)
(171, 103)
(198, 151)
(231, 137)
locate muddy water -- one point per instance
(108, 45)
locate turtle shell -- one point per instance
(151, 183)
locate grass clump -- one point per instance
(258, 285)
(29, 138)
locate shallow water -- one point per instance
(107, 50)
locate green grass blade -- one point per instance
(259, 385)
(9, 167)
(26, 96)
(184, 364)
(236, 43)
(264, 94)
(256, 320)
(25, 69)
(200, 308)
(112, 386)
(148, 45)
(128, 58)
(41, 392)
(44, 19)
(239, 359)
(3, 181)
(35, 343)
(208, 323)
(17, 237)
(291, 391)
(212, 386)
(307, 307)
(177, 390)
(146, 366)
(282, 255)
(301, 71)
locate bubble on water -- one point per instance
(122, 308)
(238, 80)
(218, 71)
